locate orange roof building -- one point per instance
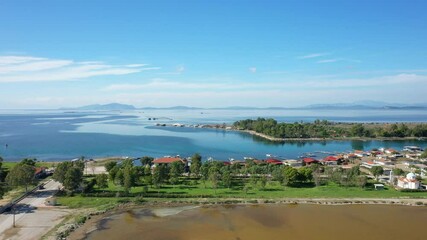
(167, 160)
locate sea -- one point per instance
(57, 135)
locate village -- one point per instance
(403, 169)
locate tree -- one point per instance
(196, 163)
(113, 172)
(264, 181)
(305, 174)
(204, 170)
(290, 176)
(3, 175)
(110, 165)
(147, 175)
(127, 163)
(214, 176)
(357, 130)
(361, 181)
(129, 178)
(377, 171)
(102, 180)
(226, 178)
(61, 170)
(21, 175)
(424, 154)
(70, 174)
(73, 178)
(146, 160)
(278, 174)
(80, 164)
(120, 177)
(176, 169)
(157, 177)
(398, 172)
(29, 161)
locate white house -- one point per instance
(409, 182)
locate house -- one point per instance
(292, 162)
(413, 156)
(309, 161)
(40, 172)
(408, 182)
(273, 161)
(382, 157)
(331, 160)
(412, 149)
(168, 160)
(383, 162)
(369, 164)
(391, 151)
(360, 153)
(350, 156)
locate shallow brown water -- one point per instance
(293, 222)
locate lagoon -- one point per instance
(58, 135)
(233, 222)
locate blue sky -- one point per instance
(211, 53)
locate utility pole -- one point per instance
(14, 213)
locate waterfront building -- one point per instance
(408, 182)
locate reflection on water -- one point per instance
(352, 222)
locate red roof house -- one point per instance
(273, 161)
(330, 159)
(167, 160)
(308, 161)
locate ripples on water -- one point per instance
(58, 135)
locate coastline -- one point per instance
(81, 231)
(274, 139)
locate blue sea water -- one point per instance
(59, 135)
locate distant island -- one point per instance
(104, 107)
(338, 106)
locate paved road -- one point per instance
(33, 218)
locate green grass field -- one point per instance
(272, 191)
(9, 165)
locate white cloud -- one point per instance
(156, 85)
(178, 71)
(34, 69)
(17, 59)
(329, 60)
(406, 88)
(252, 69)
(33, 66)
(313, 55)
(136, 65)
(180, 68)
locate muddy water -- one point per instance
(294, 222)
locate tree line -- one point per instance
(219, 175)
(326, 129)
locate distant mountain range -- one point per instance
(104, 107)
(354, 105)
(366, 105)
